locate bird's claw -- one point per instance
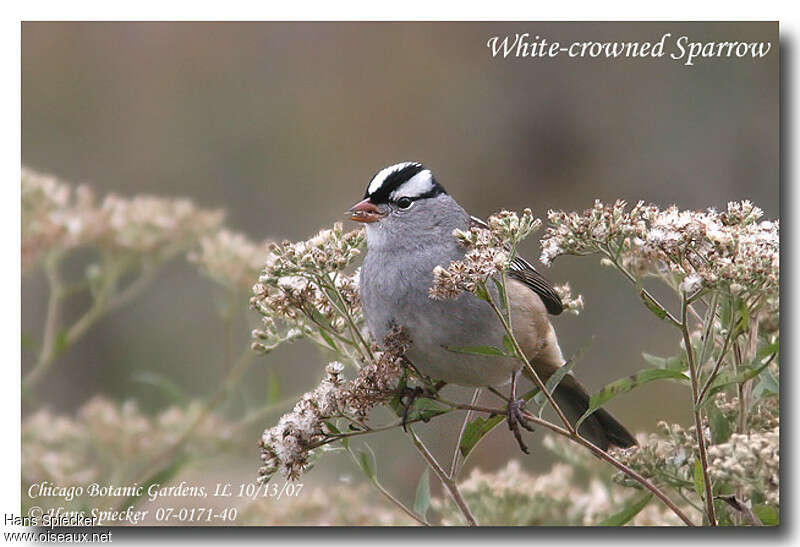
(411, 394)
(414, 393)
(515, 418)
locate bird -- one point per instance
(410, 219)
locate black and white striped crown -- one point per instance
(409, 179)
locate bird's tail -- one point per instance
(601, 428)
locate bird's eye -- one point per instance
(404, 203)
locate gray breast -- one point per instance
(395, 291)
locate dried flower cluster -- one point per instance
(490, 250)
(341, 504)
(291, 445)
(54, 214)
(572, 304)
(762, 416)
(576, 492)
(751, 462)
(668, 457)
(230, 258)
(106, 437)
(58, 216)
(729, 250)
(288, 447)
(304, 290)
(746, 463)
(156, 225)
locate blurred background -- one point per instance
(283, 125)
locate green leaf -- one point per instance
(501, 296)
(169, 389)
(708, 339)
(475, 431)
(728, 378)
(509, 345)
(422, 500)
(552, 383)
(477, 350)
(481, 292)
(654, 360)
(627, 513)
(624, 385)
(479, 427)
(699, 480)
(767, 514)
(365, 460)
(725, 312)
(335, 430)
(767, 386)
(720, 427)
(651, 305)
(744, 322)
(768, 350)
(328, 340)
(425, 409)
(675, 362)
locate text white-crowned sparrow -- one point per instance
(410, 219)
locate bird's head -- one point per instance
(395, 192)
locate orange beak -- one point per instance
(365, 211)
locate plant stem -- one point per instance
(596, 450)
(645, 293)
(50, 349)
(47, 352)
(719, 360)
(457, 450)
(353, 327)
(104, 301)
(402, 506)
(698, 421)
(737, 359)
(398, 503)
(235, 373)
(521, 355)
(339, 437)
(448, 482)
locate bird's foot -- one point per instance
(515, 418)
(408, 397)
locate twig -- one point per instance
(338, 437)
(596, 450)
(402, 506)
(698, 421)
(645, 293)
(457, 449)
(47, 352)
(737, 359)
(233, 377)
(398, 503)
(521, 355)
(719, 361)
(49, 349)
(448, 482)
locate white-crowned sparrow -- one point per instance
(410, 220)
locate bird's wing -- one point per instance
(523, 271)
